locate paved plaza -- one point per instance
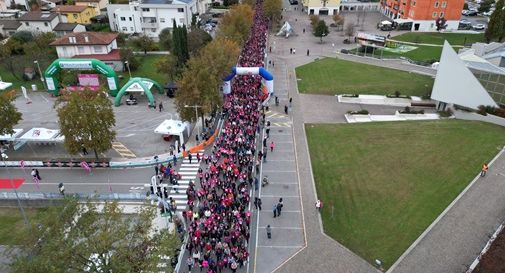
(135, 126)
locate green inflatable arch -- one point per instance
(80, 64)
(138, 83)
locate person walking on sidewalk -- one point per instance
(308, 52)
(259, 203)
(272, 146)
(265, 141)
(274, 209)
(161, 106)
(269, 232)
(279, 207)
(174, 158)
(319, 205)
(190, 262)
(290, 103)
(256, 202)
(198, 157)
(286, 109)
(484, 170)
(156, 169)
(190, 157)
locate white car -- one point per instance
(479, 27)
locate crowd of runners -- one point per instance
(218, 216)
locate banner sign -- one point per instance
(76, 65)
(88, 80)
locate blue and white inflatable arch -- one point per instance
(269, 79)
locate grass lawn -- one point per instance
(11, 223)
(438, 38)
(383, 184)
(146, 70)
(16, 84)
(332, 76)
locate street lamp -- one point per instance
(4, 157)
(196, 113)
(128, 66)
(40, 73)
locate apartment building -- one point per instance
(319, 7)
(149, 17)
(423, 13)
(97, 5)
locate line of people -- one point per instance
(219, 226)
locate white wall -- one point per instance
(474, 116)
(40, 26)
(429, 25)
(72, 50)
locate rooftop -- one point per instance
(38, 16)
(86, 38)
(69, 9)
(65, 27)
(10, 24)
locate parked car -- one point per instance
(471, 13)
(479, 27)
(464, 25)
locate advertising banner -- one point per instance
(88, 80)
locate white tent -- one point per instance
(5, 85)
(173, 128)
(42, 135)
(385, 22)
(285, 30)
(11, 137)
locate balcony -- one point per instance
(149, 25)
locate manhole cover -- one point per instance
(286, 186)
(132, 122)
(280, 131)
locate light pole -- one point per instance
(40, 73)
(4, 156)
(128, 66)
(196, 113)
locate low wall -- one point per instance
(474, 116)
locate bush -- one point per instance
(408, 110)
(360, 112)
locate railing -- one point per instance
(133, 196)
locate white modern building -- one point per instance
(467, 80)
(149, 17)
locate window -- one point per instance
(124, 28)
(162, 20)
(413, 3)
(129, 18)
(180, 10)
(75, 15)
(80, 49)
(436, 4)
(97, 49)
(434, 14)
(46, 24)
(444, 4)
(146, 9)
(441, 14)
(123, 18)
(153, 29)
(131, 28)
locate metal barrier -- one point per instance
(133, 196)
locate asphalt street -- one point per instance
(77, 180)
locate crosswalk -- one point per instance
(188, 171)
(271, 114)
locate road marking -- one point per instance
(281, 124)
(121, 149)
(280, 246)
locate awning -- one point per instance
(385, 22)
(42, 135)
(171, 127)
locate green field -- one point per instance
(146, 70)
(331, 76)
(16, 84)
(438, 38)
(383, 184)
(429, 54)
(11, 223)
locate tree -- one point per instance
(228, 3)
(349, 30)
(485, 5)
(441, 23)
(86, 120)
(82, 237)
(127, 55)
(272, 9)
(496, 26)
(180, 44)
(236, 23)
(339, 21)
(145, 43)
(202, 78)
(10, 114)
(321, 30)
(165, 38)
(314, 19)
(251, 3)
(23, 36)
(167, 65)
(197, 39)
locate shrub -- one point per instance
(359, 112)
(350, 95)
(397, 94)
(408, 110)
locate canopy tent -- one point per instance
(11, 137)
(172, 127)
(385, 22)
(42, 135)
(5, 85)
(285, 30)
